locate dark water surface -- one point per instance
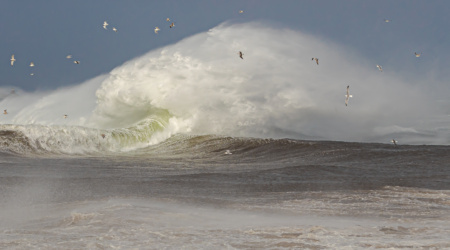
(266, 193)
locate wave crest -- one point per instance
(201, 86)
(76, 140)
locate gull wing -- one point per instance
(347, 96)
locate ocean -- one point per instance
(189, 192)
(191, 147)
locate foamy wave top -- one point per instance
(200, 85)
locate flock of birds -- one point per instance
(240, 54)
(170, 26)
(105, 26)
(347, 95)
(13, 60)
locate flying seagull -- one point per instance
(380, 68)
(32, 64)
(65, 116)
(241, 54)
(228, 152)
(241, 11)
(168, 19)
(417, 54)
(172, 25)
(317, 60)
(76, 62)
(69, 56)
(394, 141)
(156, 30)
(5, 112)
(387, 20)
(12, 60)
(114, 28)
(105, 24)
(347, 96)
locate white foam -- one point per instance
(275, 91)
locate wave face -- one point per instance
(201, 86)
(76, 140)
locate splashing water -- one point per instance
(201, 86)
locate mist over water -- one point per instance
(201, 86)
(49, 107)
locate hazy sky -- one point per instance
(46, 31)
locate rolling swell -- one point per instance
(139, 140)
(289, 152)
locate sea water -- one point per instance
(187, 193)
(186, 147)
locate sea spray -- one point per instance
(200, 85)
(274, 91)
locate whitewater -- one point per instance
(201, 86)
(190, 146)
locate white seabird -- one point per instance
(317, 60)
(156, 30)
(114, 29)
(228, 152)
(105, 24)
(5, 112)
(65, 116)
(69, 56)
(417, 54)
(76, 62)
(172, 25)
(394, 141)
(387, 20)
(168, 19)
(12, 60)
(347, 96)
(241, 11)
(32, 64)
(380, 68)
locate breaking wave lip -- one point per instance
(76, 140)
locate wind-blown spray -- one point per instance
(201, 86)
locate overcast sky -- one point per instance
(44, 32)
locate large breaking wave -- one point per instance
(201, 86)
